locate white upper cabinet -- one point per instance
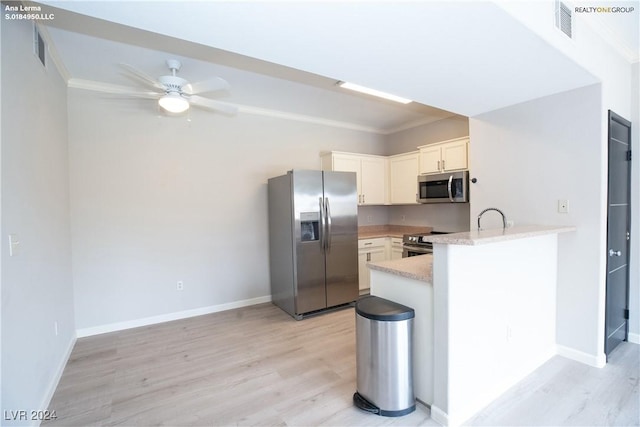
(445, 156)
(403, 177)
(370, 171)
(373, 181)
(393, 179)
(430, 158)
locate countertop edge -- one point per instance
(416, 268)
(390, 230)
(472, 238)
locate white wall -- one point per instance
(441, 130)
(494, 321)
(156, 199)
(525, 158)
(36, 283)
(602, 55)
(634, 281)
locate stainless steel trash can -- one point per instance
(384, 335)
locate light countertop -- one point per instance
(494, 235)
(390, 230)
(416, 267)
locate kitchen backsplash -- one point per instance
(373, 215)
(441, 216)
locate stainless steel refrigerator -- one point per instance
(313, 240)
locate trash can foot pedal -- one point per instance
(364, 404)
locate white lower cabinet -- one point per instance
(396, 247)
(369, 250)
(373, 250)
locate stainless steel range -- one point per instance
(414, 244)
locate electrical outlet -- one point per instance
(55, 327)
(369, 218)
(180, 286)
(510, 223)
(402, 218)
(563, 206)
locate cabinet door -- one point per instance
(396, 248)
(372, 254)
(363, 270)
(396, 252)
(404, 175)
(345, 163)
(378, 254)
(454, 156)
(430, 159)
(372, 180)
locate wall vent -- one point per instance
(39, 47)
(564, 19)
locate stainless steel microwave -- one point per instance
(450, 187)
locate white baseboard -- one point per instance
(53, 385)
(598, 361)
(634, 338)
(119, 326)
(439, 416)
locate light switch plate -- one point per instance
(563, 206)
(14, 243)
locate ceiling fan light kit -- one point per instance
(174, 103)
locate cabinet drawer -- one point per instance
(396, 241)
(371, 243)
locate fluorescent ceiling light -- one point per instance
(174, 103)
(373, 92)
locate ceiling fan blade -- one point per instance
(210, 104)
(143, 77)
(210, 85)
(112, 89)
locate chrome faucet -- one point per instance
(504, 219)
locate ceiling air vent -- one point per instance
(39, 47)
(564, 19)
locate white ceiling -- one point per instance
(460, 56)
(92, 50)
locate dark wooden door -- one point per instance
(618, 227)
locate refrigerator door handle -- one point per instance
(329, 231)
(322, 224)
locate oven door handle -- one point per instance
(449, 187)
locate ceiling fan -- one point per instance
(175, 94)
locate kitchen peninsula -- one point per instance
(485, 305)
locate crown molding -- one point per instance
(51, 47)
(101, 87)
(53, 51)
(415, 124)
(611, 37)
(306, 119)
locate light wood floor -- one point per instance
(258, 366)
